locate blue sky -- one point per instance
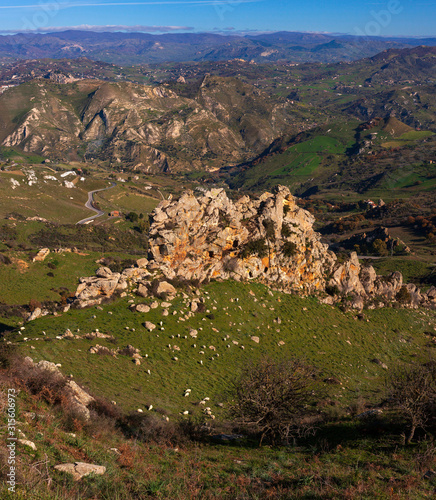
(365, 17)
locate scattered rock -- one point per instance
(143, 308)
(142, 263)
(80, 469)
(25, 442)
(165, 290)
(41, 255)
(142, 291)
(380, 363)
(37, 313)
(102, 350)
(103, 272)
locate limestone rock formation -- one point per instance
(269, 238)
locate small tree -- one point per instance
(412, 392)
(379, 247)
(273, 398)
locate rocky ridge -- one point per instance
(269, 239)
(151, 129)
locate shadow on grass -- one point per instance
(4, 329)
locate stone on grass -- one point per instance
(80, 469)
(150, 326)
(143, 308)
(25, 442)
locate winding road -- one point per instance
(90, 204)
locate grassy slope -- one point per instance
(344, 461)
(33, 281)
(338, 343)
(318, 155)
(46, 199)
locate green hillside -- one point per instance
(340, 345)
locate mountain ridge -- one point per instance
(135, 48)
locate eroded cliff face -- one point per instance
(150, 129)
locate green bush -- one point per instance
(286, 231)
(255, 247)
(289, 249)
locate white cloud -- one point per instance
(104, 29)
(68, 5)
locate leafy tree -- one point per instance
(132, 217)
(255, 247)
(289, 249)
(269, 229)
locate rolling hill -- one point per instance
(136, 48)
(151, 128)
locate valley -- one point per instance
(168, 228)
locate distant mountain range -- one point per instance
(136, 48)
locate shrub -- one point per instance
(379, 247)
(255, 247)
(104, 408)
(8, 354)
(43, 384)
(412, 393)
(289, 249)
(34, 304)
(403, 296)
(271, 399)
(152, 428)
(132, 217)
(269, 229)
(4, 259)
(286, 231)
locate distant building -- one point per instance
(114, 213)
(370, 203)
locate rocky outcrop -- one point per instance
(145, 279)
(75, 397)
(269, 238)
